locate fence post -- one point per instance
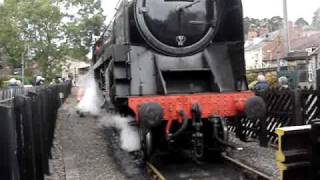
(297, 115)
(263, 140)
(38, 134)
(9, 167)
(239, 130)
(45, 127)
(23, 108)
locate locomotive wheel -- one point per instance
(146, 140)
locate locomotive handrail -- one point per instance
(181, 7)
(112, 19)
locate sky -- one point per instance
(268, 8)
(1, 2)
(254, 8)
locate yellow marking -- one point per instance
(280, 156)
(282, 167)
(280, 131)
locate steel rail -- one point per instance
(155, 172)
(263, 175)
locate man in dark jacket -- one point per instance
(262, 84)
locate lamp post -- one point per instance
(285, 29)
(25, 54)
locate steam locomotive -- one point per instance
(178, 67)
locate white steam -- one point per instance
(129, 135)
(92, 99)
(91, 102)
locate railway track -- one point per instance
(249, 171)
(228, 168)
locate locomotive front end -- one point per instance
(178, 67)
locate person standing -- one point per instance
(262, 84)
(39, 80)
(283, 83)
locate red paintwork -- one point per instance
(211, 104)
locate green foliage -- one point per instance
(273, 24)
(251, 77)
(272, 80)
(276, 23)
(27, 79)
(49, 30)
(2, 81)
(301, 22)
(316, 20)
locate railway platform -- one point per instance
(81, 149)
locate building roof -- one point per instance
(259, 42)
(305, 42)
(297, 55)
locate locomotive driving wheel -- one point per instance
(146, 141)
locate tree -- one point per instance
(10, 40)
(276, 23)
(300, 22)
(49, 30)
(316, 19)
(246, 25)
(273, 24)
(79, 31)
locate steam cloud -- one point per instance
(92, 99)
(129, 136)
(91, 102)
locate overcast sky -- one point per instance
(269, 8)
(255, 8)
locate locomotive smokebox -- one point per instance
(177, 27)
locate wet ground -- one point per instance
(84, 151)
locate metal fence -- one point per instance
(284, 108)
(8, 94)
(27, 131)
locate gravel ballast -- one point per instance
(255, 156)
(81, 149)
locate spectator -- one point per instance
(283, 82)
(19, 83)
(13, 86)
(13, 83)
(60, 80)
(53, 82)
(262, 84)
(39, 80)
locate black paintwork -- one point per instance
(169, 25)
(141, 56)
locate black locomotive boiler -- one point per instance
(178, 67)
